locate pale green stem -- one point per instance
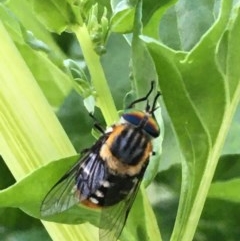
(30, 134)
(104, 98)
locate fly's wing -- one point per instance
(114, 218)
(75, 186)
(62, 195)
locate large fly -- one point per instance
(109, 174)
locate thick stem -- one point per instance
(30, 133)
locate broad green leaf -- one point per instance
(184, 24)
(196, 97)
(170, 149)
(219, 221)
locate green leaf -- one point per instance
(228, 168)
(183, 25)
(196, 95)
(123, 16)
(226, 180)
(228, 190)
(27, 235)
(170, 149)
(57, 15)
(219, 221)
(153, 11)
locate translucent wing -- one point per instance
(62, 195)
(75, 186)
(114, 218)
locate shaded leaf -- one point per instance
(216, 224)
(228, 168)
(228, 190)
(226, 182)
(183, 25)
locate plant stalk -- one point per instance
(104, 98)
(31, 135)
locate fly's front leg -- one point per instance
(96, 124)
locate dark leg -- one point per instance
(96, 124)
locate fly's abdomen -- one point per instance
(113, 190)
(129, 146)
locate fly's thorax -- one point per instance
(126, 150)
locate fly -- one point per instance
(109, 174)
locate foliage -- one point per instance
(189, 47)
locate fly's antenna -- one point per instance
(155, 102)
(143, 98)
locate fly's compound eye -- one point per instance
(141, 119)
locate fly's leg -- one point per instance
(96, 124)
